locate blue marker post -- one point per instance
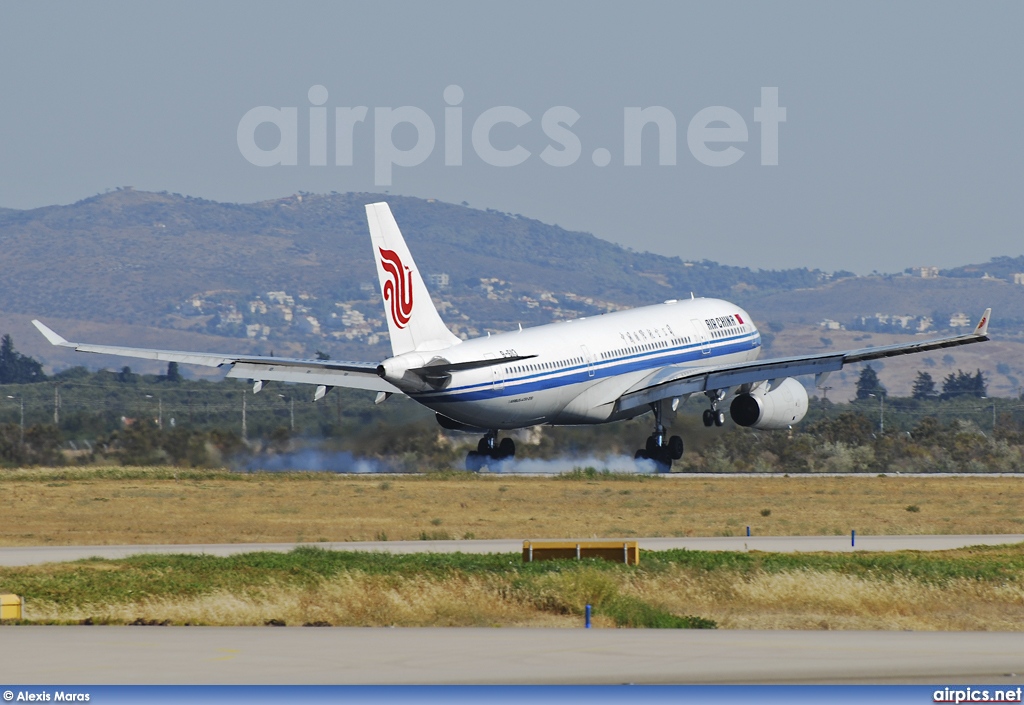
(588, 617)
(853, 537)
(748, 531)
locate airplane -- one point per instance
(592, 370)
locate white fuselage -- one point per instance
(581, 367)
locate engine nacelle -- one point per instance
(781, 407)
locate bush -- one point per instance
(631, 612)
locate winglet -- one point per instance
(982, 328)
(51, 336)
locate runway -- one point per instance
(36, 555)
(297, 655)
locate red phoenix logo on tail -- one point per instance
(398, 289)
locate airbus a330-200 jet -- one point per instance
(589, 370)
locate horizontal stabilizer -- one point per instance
(445, 366)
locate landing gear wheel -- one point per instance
(709, 417)
(489, 451)
(652, 446)
(662, 460)
(506, 449)
(662, 455)
(719, 418)
(675, 448)
(658, 448)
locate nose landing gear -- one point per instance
(490, 450)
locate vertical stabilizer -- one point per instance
(413, 322)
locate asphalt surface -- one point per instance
(297, 655)
(35, 555)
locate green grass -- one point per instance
(93, 580)
(631, 612)
(101, 581)
(558, 587)
(985, 563)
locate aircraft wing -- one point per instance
(677, 380)
(330, 373)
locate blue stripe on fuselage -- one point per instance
(551, 379)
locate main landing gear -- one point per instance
(714, 416)
(660, 449)
(489, 450)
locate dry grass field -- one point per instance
(149, 506)
(968, 589)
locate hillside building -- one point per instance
(439, 281)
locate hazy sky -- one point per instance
(902, 143)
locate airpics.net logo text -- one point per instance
(711, 135)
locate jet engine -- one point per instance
(779, 407)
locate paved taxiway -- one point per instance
(290, 655)
(34, 555)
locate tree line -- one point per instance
(122, 417)
(16, 368)
(955, 385)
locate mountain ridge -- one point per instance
(295, 274)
